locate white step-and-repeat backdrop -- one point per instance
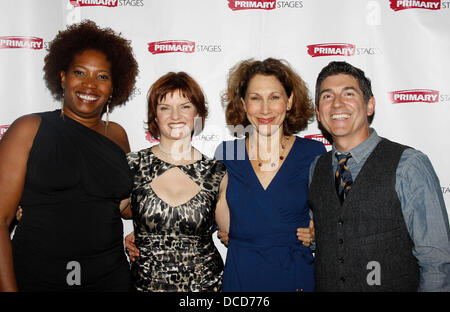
(403, 46)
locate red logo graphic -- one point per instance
(171, 46)
(318, 137)
(3, 130)
(328, 49)
(414, 96)
(236, 5)
(16, 42)
(105, 3)
(149, 137)
(398, 5)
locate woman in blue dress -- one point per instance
(267, 103)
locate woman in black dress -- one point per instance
(68, 170)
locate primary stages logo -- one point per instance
(3, 130)
(16, 42)
(237, 5)
(341, 49)
(318, 137)
(414, 96)
(398, 5)
(150, 138)
(170, 46)
(328, 49)
(204, 137)
(106, 3)
(181, 46)
(251, 4)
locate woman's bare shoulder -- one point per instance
(118, 134)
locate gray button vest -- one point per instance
(368, 227)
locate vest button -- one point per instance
(341, 241)
(340, 222)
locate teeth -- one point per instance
(340, 116)
(176, 126)
(87, 97)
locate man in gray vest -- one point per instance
(380, 218)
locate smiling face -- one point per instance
(175, 116)
(266, 104)
(87, 85)
(343, 112)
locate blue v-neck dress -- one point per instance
(264, 253)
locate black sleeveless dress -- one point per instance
(71, 234)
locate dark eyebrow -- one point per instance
(323, 91)
(85, 68)
(257, 93)
(188, 102)
(345, 89)
(350, 88)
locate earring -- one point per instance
(107, 110)
(62, 104)
(107, 114)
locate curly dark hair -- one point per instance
(168, 84)
(88, 36)
(297, 118)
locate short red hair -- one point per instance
(168, 84)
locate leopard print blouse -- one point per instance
(177, 252)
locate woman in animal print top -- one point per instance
(177, 195)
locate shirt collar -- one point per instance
(363, 149)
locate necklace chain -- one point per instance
(171, 154)
(281, 157)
